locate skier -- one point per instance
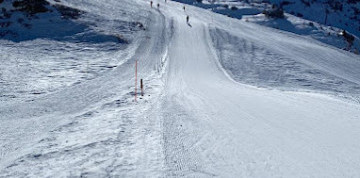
(158, 5)
(151, 3)
(184, 8)
(187, 19)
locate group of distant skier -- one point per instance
(158, 6)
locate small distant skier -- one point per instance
(187, 19)
(158, 5)
(184, 8)
(151, 3)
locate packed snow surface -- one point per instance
(223, 98)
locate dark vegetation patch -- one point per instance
(31, 7)
(67, 12)
(274, 12)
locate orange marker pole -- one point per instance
(135, 79)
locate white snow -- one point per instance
(295, 15)
(223, 98)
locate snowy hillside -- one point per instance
(27, 20)
(338, 13)
(222, 97)
(319, 19)
(59, 46)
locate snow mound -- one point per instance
(249, 61)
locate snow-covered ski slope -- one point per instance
(197, 119)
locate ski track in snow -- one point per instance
(195, 120)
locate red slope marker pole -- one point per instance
(135, 79)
